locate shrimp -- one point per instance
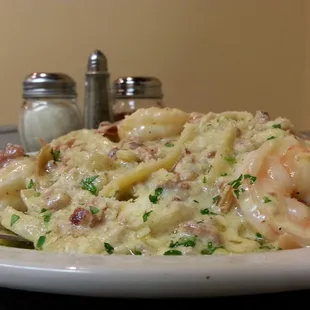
(153, 123)
(273, 192)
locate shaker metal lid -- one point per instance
(97, 62)
(47, 84)
(137, 86)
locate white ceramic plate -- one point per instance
(157, 276)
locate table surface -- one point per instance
(31, 300)
(10, 297)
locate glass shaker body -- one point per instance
(127, 106)
(49, 109)
(44, 119)
(131, 93)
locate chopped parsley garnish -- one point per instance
(271, 138)
(184, 241)
(224, 174)
(154, 198)
(266, 199)
(37, 194)
(47, 217)
(43, 210)
(259, 236)
(30, 184)
(40, 242)
(277, 126)
(210, 249)
(87, 184)
(173, 252)
(251, 177)
(169, 144)
(230, 159)
(136, 252)
(204, 180)
(14, 219)
(216, 199)
(206, 211)
(94, 210)
(146, 215)
(237, 183)
(196, 201)
(108, 247)
(56, 155)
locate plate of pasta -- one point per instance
(164, 203)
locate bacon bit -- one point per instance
(211, 154)
(176, 199)
(67, 145)
(109, 130)
(207, 228)
(11, 151)
(134, 145)
(112, 152)
(187, 151)
(80, 216)
(228, 200)
(184, 185)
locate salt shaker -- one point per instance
(49, 109)
(130, 93)
(97, 107)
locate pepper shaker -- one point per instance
(134, 92)
(97, 91)
(49, 109)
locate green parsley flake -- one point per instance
(266, 199)
(108, 247)
(40, 242)
(56, 155)
(173, 252)
(224, 174)
(94, 210)
(251, 177)
(136, 252)
(47, 217)
(30, 184)
(146, 215)
(276, 126)
(169, 144)
(259, 236)
(154, 198)
(196, 201)
(184, 241)
(206, 211)
(230, 159)
(216, 199)
(14, 219)
(210, 249)
(237, 183)
(37, 194)
(43, 210)
(271, 138)
(87, 184)
(204, 180)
